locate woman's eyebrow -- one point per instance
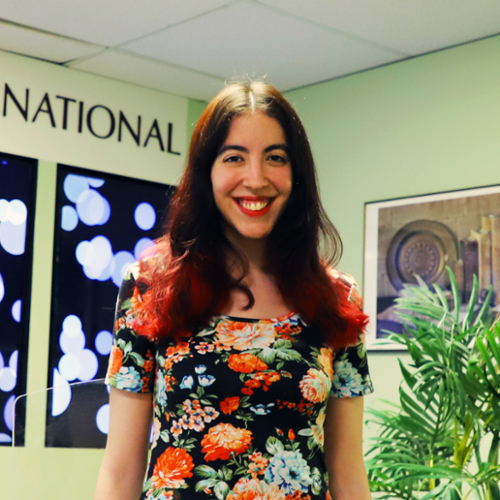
(284, 147)
(225, 147)
(236, 147)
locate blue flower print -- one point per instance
(161, 391)
(289, 471)
(206, 380)
(347, 378)
(187, 382)
(200, 369)
(261, 409)
(128, 378)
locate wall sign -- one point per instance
(97, 119)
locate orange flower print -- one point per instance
(253, 489)
(148, 363)
(176, 353)
(315, 386)
(229, 405)
(268, 378)
(183, 348)
(296, 495)
(169, 381)
(141, 318)
(318, 429)
(172, 466)
(223, 439)
(244, 336)
(119, 323)
(325, 360)
(204, 347)
(246, 363)
(219, 346)
(257, 464)
(145, 384)
(115, 361)
(286, 330)
(165, 495)
(253, 384)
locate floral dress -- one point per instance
(239, 407)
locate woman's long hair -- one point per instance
(187, 280)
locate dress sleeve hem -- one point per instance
(351, 392)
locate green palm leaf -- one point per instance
(449, 401)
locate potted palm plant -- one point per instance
(442, 441)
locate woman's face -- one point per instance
(252, 176)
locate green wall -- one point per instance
(195, 109)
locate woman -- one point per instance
(242, 407)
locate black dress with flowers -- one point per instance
(239, 407)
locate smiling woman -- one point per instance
(232, 330)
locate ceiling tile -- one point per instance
(42, 45)
(291, 52)
(152, 74)
(414, 27)
(104, 22)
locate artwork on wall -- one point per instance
(422, 236)
(17, 210)
(104, 223)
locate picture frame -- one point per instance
(424, 235)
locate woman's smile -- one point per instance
(254, 207)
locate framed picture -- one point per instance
(422, 236)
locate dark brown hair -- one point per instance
(189, 280)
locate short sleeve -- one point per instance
(132, 361)
(351, 377)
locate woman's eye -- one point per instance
(232, 159)
(278, 158)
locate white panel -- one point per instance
(413, 27)
(42, 45)
(245, 39)
(104, 22)
(153, 74)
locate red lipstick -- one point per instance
(254, 213)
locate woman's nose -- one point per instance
(255, 177)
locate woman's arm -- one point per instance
(124, 463)
(344, 451)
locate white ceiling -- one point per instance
(190, 47)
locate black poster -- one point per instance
(17, 210)
(103, 224)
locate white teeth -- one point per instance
(254, 206)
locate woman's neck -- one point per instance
(253, 250)
(269, 302)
